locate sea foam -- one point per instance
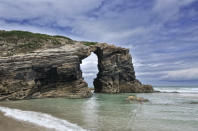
(41, 119)
(177, 89)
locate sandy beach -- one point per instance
(9, 124)
(104, 112)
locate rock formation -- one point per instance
(137, 99)
(39, 66)
(116, 72)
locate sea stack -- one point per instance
(38, 66)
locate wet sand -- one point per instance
(9, 124)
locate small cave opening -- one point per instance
(45, 76)
(89, 69)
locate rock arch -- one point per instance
(115, 69)
(116, 72)
(55, 72)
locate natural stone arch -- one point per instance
(116, 71)
(54, 70)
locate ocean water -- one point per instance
(168, 111)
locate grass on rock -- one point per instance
(24, 41)
(89, 43)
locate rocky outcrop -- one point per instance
(44, 73)
(137, 99)
(39, 66)
(116, 72)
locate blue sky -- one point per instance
(162, 34)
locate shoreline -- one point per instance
(99, 113)
(8, 124)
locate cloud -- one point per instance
(169, 9)
(182, 75)
(89, 68)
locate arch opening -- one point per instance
(89, 68)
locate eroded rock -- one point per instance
(39, 66)
(116, 72)
(44, 73)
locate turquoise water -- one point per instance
(107, 112)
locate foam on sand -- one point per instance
(41, 119)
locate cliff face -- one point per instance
(38, 66)
(116, 73)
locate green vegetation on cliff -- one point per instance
(89, 43)
(13, 42)
(26, 35)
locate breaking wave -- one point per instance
(177, 89)
(41, 119)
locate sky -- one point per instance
(162, 35)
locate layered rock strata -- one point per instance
(39, 66)
(46, 73)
